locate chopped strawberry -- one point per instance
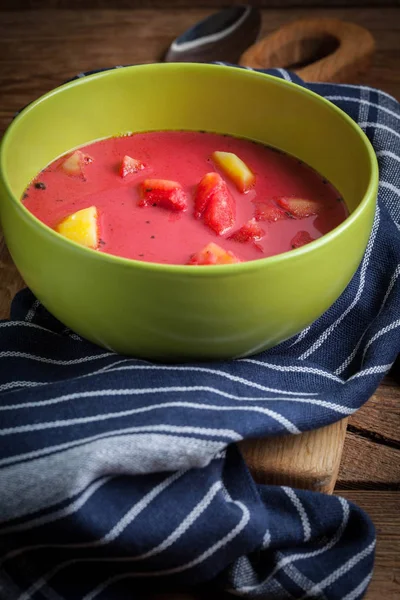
(300, 207)
(163, 193)
(301, 239)
(269, 212)
(250, 232)
(207, 187)
(214, 203)
(212, 254)
(75, 164)
(130, 165)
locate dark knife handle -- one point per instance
(222, 36)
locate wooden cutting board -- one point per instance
(310, 460)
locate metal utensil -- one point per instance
(224, 36)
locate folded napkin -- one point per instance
(119, 476)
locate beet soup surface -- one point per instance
(152, 233)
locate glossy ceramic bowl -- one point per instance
(169, 312)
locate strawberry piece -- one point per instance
(250, 232)
(163, 193)
(130, 165)
(214, 203)
(212, 254)
(300, 207)
(207, 187)
(268, 212)
(75, 163)
(301, 239)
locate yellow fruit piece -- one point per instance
(235, 169)
(81, 227)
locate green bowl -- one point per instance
(169, 312)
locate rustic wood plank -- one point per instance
(379, 418)
(366, 464)
(11, 281)
(371, 454)
(159, 4)
(105, 38)
(309, 461)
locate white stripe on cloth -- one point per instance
(284, 74)
(168, 390)
(286, 560)
(301, 580)
(348, 360)
(164, 572)
(293, 369)
(17, 324)
(115, 532)
(365, 124)
(225, 434)
(12, 385)
(266, 540)
(379, 334)
(301, 511)
(377, 369)
(337, 573)
(367, 88)
(301, 336)
(178, 532)
(324, 336)
(359, 589)
(288, 425)
(187, 368)
(224, 374)
(54, 361)
(359, 101)
(388, 154)
(32, 311)
(389, 186)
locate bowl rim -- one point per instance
(206, 270)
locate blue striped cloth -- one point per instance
(118, 475)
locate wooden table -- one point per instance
(40, 49)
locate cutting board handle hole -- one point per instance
(297, 54)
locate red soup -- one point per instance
(182, 197)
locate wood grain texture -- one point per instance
(379, 418)
(371, 454)
(213, 4)
(58, 44)
(310, 460)
(367, 464)
(316, 49)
